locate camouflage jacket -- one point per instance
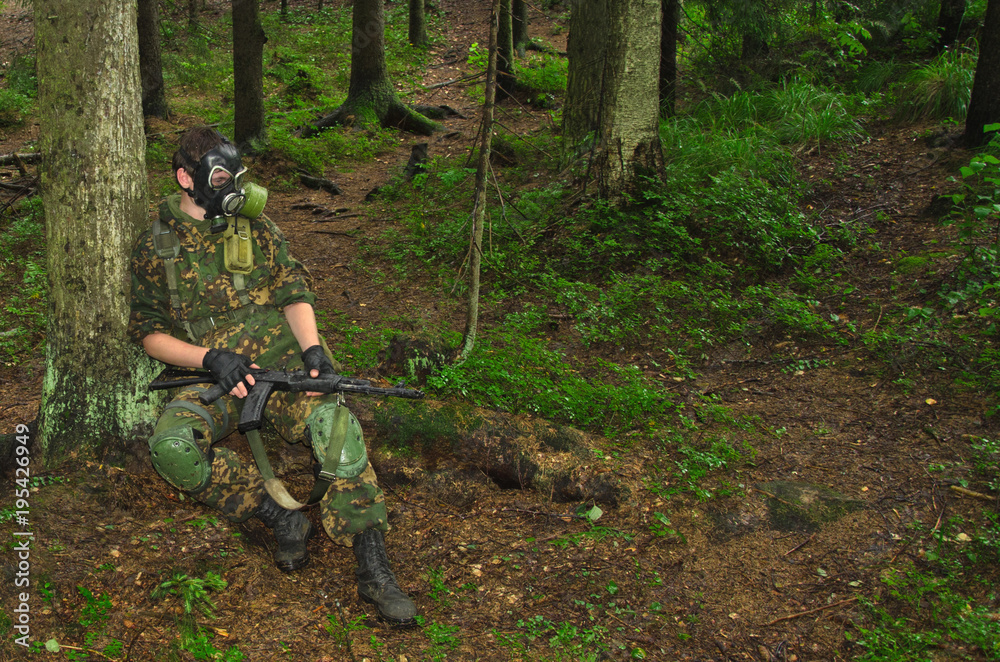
(207, 290)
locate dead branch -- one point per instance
(801, 545)
(811, 611)
(320, 183)
(971, 493)
(444, 84)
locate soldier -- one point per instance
(214, 286)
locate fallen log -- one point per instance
(14, 159)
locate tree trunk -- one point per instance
(519, 26)
(482, 168)
(754, 46)
(371, 98)
(668, 57)
(418, 26)
(154, 100)
(248, 74)
(94, 192)
(585, 48)
(192, 15)
(984, 104)
(629, 130)
(506, 81)
(949, 22)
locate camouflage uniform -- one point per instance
(206, 290)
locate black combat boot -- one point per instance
(376, 583)
(291, 529)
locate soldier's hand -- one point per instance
(317, 364)
(231, 371)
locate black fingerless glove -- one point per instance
(315, 359)
(228, 368)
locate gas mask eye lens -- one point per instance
(220, 178)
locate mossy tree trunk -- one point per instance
(371, 98)
(629, 144)
(585, 48)
(248, 74)
(418, 25)
(93, 184)
(984, 104)
(154, 100)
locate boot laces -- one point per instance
(378, 561)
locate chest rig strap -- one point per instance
(239, 261)
(168, 249)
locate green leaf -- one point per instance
(52, 646)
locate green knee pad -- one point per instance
(178, 458)
(331, 419)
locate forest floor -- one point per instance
(487, 562)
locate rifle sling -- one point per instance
(326, 476)
(338, 437)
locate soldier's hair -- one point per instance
(193, 145)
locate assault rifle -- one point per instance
(267, 381)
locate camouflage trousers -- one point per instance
(236, 488)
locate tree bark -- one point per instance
(93, 177)
(418, 24)
(519, 26)
(629, 129)
(371, 98)
(506, 80)
(668, 57)
(949, 22)
(154, 100)
(984, 104)
(586, 51)
(248, 74)
(482, 168)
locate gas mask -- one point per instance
(219, 188)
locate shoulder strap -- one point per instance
(168, 248)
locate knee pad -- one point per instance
(329, 420)
(179, 459)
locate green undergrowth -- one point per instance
(24, 287)
(18, 89)
(306, 75)
(946, 597)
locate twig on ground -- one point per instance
(444, 84)
(800, 545)
(811, 611)
(973, 494)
